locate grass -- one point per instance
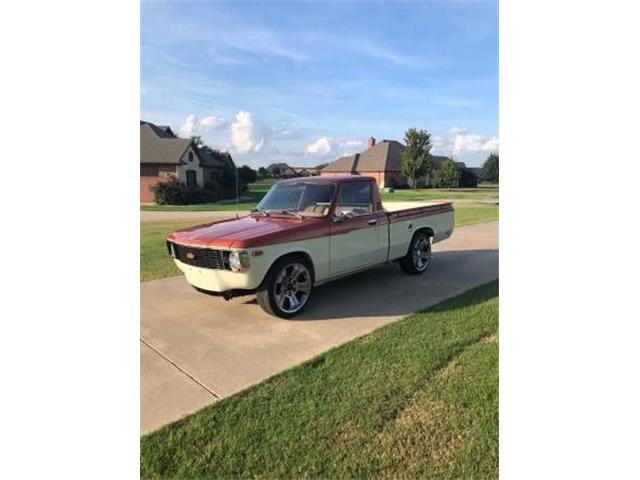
(473, 213)
(155, 262)
(417, 398)
(259, 189)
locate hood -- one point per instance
(251, 232)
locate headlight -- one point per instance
(238, 261)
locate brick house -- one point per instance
(163, 154)
(213, 163)
(380, 160)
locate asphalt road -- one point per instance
(196, 349)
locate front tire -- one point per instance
(418, 258)
(287, 288)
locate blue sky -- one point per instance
(306, 82)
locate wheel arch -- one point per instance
(426, 229)
(292, 253)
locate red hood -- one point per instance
(250, 232)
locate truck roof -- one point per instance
(337, 179)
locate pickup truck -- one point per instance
(305, 232)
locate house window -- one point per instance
(191, 156)
(191, 179)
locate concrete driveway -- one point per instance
(196, 349)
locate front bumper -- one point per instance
(214, 280)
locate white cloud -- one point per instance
(457, 130)
(437, 145)
(474, 143)
(211, 124)
(194, 126)
(188, 128)
(285, 133)
(247, 135)
(321, 147)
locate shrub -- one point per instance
(392, 183)
(214, 189)
(170, 192)
(173, 192)
(200, 195)
(468, 179)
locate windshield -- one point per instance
(309, 199)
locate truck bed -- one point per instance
(402, 209)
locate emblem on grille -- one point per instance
(190, 255)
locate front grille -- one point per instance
(202, 257)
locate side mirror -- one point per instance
(342, 216)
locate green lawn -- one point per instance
(154, 260)
(257, 191)
(472, 213)
(417, 398)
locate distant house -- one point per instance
(381, 161)
(306, 171)
(281, 170)
(164, 155)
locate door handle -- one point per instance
(372, 222)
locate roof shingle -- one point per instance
(160, 146)
(385, 156)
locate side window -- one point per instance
(191, 156)
(355, 198)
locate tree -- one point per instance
(468, 179)
(449, 174)
(416, 160)
(490, 169)
(263, 172)
(247, 174)
(197, 140)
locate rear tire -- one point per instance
(418, 257)
(286, 289)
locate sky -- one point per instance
(306, 82)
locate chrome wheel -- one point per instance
(292, 287)
(422, 253)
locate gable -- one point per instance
(158, 146)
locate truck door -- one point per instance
(358, 233)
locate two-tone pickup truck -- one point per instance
(304, 232)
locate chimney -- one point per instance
(372, 142)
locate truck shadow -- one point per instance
(387, 291)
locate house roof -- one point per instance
(214, 158)
(279, 166)
(159, 145)
(385, 156)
